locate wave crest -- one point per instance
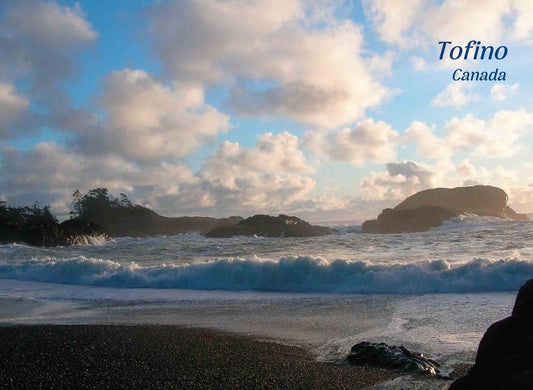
(289, 274)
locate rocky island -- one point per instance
(98, 215)
(430, 208)
(121, 218)
(269, 226)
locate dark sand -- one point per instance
(163, 357)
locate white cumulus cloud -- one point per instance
(367, 141)
(454, 95)
(500, 91)
(276, 61)
(148, 121)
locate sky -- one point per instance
(328, 110)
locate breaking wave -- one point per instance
(289, 274)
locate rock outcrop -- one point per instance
(51, 234)
(479, 200)
(504, 359)
(429, 208)
(122, 218)
(269, 226)
(389, 356)
(149, 223)
(419, 219)
(39, 227)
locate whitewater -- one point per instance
(435, 292)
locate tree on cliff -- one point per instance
(98, 206)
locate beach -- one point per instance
(163, 357)
(187, 311)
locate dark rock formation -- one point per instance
(429, 208)
(76, 232)
(121, 218)
(509, 213)
(268, 226)
(420, 219)
(504, 358)
(389, 356)
(145, 222)
(70, 232)
(479, 200)
(39, 227)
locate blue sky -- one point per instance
(326, 110)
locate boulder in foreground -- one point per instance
(389, 356)
(269, 226)
(503, 358)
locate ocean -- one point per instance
(434, 292)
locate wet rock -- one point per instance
(420, 219)
(70, 232)
(504, 359)
(390, 356)
(269, 226)
(429, 208)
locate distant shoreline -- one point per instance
(163, 357)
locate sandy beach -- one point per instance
(163, 357)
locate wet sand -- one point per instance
(163, 357)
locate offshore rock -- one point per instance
(503, 359)
(269, 226)
(71, 232)
(420, 219)
(479, 200)
(389, 356)
(429, 208)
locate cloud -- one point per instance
(418, 63)
(12, 105)
(272, 153)
(454, 96)
(428, 144)
(381, 64)
(495, 137)
(49, 173)
(501, 92)
(276, 62)
(148, 121)
(465, 168)
(368, 140)
(523, 27)
(521, 199)
(40, 42)
(393, 19)
(420, 23)
(399, 181)
(268, 177)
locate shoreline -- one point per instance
(164, 357)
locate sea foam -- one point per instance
(289, 274)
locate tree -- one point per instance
(77, 205)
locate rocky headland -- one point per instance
(430, 208)
(121, 218)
